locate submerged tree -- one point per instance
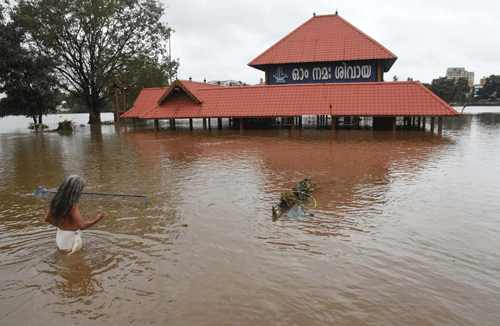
(95, 41)
(27, 80)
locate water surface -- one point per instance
(406, 231)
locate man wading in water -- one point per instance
(64, 214)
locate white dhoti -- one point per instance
(69, 240)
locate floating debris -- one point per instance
(65, 126)
(291, 202)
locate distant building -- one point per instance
(476, 88)
(225, 82)
(455, 73)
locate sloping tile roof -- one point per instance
(324, 38)
(146, 100)
(149, 98)
(189, 87)
(195, 86)
(352, 99)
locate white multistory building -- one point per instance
(455, 73)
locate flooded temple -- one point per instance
(325, 68)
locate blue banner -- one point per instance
(333, 72)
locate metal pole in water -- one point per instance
(41, 191)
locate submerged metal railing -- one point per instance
(41, 191)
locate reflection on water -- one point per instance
(405, 231)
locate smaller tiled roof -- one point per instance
(194, 87)
(189, 87)
(150, 98)
(147, 100)
(324, 38)
(383, 99)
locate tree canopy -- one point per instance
(491, 89)
(450, 90)
(26, 79)
(97, 42)
(143, 72)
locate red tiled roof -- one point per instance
(189, 87)
(337, 99)
(323, 39)
(149, 98)
(146, 100)
(195, 86)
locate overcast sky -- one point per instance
(216, 39)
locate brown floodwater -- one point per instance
(406, 230)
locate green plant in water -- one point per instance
(299, 194)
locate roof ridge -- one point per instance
(326, 15)
(191, 81)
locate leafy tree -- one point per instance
(461, 89)
(443, 87)
(144, 72)
(74, 104)
(450, 90)
(95, 41)
(491, 88)
(26, 79)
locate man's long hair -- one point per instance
(67, 195)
